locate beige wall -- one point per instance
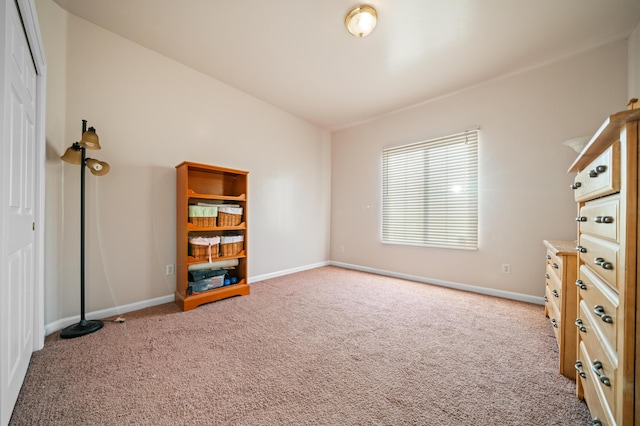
(523, 184)
(53, 23)
(634, 63)
(152, 113)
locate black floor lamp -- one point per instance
(77, 154)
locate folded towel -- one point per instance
(203, 211)
(204, 241)
(230, 210)
(228, 239)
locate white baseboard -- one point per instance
(287, 272)
(104, 313)
(119, 310)
(458, 286)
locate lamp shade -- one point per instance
(72, 156)
(361, 20)
(98, 168)
(90, 139)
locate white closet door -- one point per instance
(17, 284)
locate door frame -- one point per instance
(32, 28)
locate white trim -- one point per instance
(109, 312)
(32, 29)
(52, 327)
(287, 272)
(458, 286)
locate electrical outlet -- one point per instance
(506, 268)
(170, 269)
(341, 248)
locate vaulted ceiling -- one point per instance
(297, 55)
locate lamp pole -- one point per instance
(84, 326)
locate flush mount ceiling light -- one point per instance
(361, 20)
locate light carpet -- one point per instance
(328, 346)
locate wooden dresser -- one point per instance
(560, 300)
(606, 190)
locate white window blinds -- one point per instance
(430, 192)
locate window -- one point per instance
(430, 192)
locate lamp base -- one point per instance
(80, 329)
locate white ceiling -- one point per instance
(297, 55)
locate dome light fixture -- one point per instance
(361, 20)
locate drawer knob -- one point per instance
(555, 293)
(546, 276)
(581, 284)
(581, 372)
(581, 249)
(575, 185)
(601, 262)
(580, 326)
(554, 323)
(548, 257)
(595, 172)
(554, 265)
(546, 299)
(581, 219)
(604, 219)
(599, 311)
(597, 421)
(597, 366)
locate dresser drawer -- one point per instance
(601, 217)
(561, 295)
(601, 366)
(601, 177)
(554, 283)
(554, 264)
(554, 313)
(595, 400)
(602, 257)
(602, 306)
